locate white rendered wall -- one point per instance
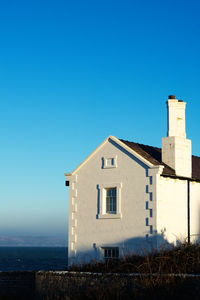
(176, 118)
(195, 211)
(134, 230)
(176, 153)
(172, 209)
(176, 149)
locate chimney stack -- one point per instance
(176, 148)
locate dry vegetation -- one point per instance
(156, 278)
(182, 259)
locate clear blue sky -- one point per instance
(74, 72)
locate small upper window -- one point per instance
(111, 203)
(109, 161)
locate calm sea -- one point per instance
(32, 258)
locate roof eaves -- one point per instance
(133, 152)
(181, 177)
(87, 159)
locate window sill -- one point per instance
(109, 216)
(110, 167)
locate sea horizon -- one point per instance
(32, 241)
(30, 246)
(33, 258)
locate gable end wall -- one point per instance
(133, 229)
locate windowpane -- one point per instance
(105, 253)
(114, 252)
(110, 208)
(114, 192)
(114, 205)
(111, 252)
(109, 161)
(117, 252)
(111, 200)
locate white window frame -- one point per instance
(102, 199)
(112, 248)
(106, 160)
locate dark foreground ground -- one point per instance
(159, 276)
(68, 285)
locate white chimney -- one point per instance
(176, 149)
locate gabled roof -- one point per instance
(153, 155)
(119, 142)
(196, 167)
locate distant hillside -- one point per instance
(32, 241)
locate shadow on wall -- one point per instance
(137, 246)
(129, 154)
(195, 236)
(139, 162)
(195, 227)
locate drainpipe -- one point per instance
(188, 209)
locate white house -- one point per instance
(130, 197)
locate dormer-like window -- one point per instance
(109, 161)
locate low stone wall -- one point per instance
(71, 286)
(75, 285)
(60, 285)
(17, 284)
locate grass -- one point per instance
(184, 258)
(156, 278)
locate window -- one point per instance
(109, 201)
(109, 161)
(111, 252)
(111, 194)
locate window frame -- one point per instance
(106, 159)
(102, 201)
(113, 250)
(111, 200)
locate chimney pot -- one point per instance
(171, 97)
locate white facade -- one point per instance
(150, 208)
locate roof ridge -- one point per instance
(195, 156)
(154, 155)
(139, 144)
(149, 146)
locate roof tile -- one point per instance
(153, 155)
